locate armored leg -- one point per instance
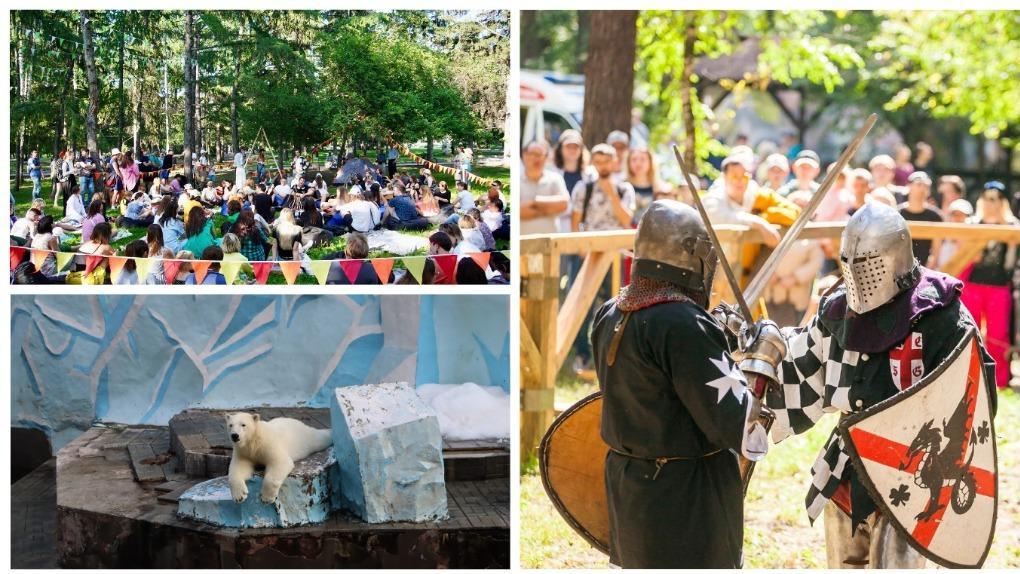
(843, 549)
(889, 548)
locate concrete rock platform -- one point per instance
(107, 517)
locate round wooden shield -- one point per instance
(572, 460)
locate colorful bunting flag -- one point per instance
(261, 269)
(320, 268)
(351, 269)
(63, 259)
(91, 261)
(481, 258)
(415, 266)
(116, 266)
(383, 268)
(290, 270)
(39, 257)
(170, 269)
(17, 255)
(447, 264)
(142, 267)
(230, 269)
(201, 269)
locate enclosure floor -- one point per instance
(34, 518)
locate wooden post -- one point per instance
(539, 304)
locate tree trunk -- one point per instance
(581, 44)
(93, 81)
(198, 133)
(189, 91)
(687, 89)
(120, 86)
(609, 74)
(235, 137)
(22, 81)
(428, 149)
(166, 102)
(136, 120)
(59, 121)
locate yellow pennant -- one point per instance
(320, 268)
(230, 269)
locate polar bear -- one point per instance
(275, 444)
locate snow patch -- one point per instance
(469, 411)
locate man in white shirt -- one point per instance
(25, 227)
(544, 196)
(364, 214)
(239, 164)
(465, 199)
(281, 192)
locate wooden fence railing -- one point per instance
(548, 329)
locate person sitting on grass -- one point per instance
(191, 201)
(44, 239)
(493, 214)
(139, 212)
(443, 197)
(95, 217)
(281, 192)
(252, 235)
(24, 228)
(157, 252)
(403, 215)
(198, 230)
(212, 274)
(440, 243)
(357, 248)
(288, 236)
(501, 265)
(129, 273)
(489, 242)
(185, 257)
(209, 195)
(465, 199)
(75, 212)
(234, 207)
(358, 215)
(98, 244)
(471, 239)
(503, 231)
(173, 234)
(231, 246)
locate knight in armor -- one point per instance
(889, 322)
(677, 409)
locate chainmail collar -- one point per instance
(644, 292)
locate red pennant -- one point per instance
(170, 269)
(383, 268)
(17, 255)
(201, 268)
(261, 269)
(448, 264)
(351, 268)
(290, 270)
(91, 261)
(481, 258)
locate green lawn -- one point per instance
(776, 529)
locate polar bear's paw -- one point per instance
(239, 491)
(268, 496)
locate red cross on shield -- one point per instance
(927, 457)
(906, 361)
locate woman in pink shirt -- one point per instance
(129, 174)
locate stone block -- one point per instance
(308, 495)
(391, 454)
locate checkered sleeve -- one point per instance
(798, 400)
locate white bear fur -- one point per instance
(275, 444)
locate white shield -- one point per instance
(927, 457)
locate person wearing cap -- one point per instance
(958, 211)
(621, 143)
(916, 208)
(543, 193)
(806, 167)
(950, 189)
(987, 291)
(777, 171)
(883, 172)
(572, 162)
(603, 204)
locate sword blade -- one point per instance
(730, 278)
(757, 284)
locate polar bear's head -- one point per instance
(241, 427)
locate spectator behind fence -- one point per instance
(776, 171)
(572, 161)
(987, 290)
(602, 205)
(959, 211)
(643, 175)
(789, 291)
(543, 193)
(950, 189)
(806, 167)
(916, 208)
(883, 173)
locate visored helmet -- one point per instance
(877, 257)
(672, 244)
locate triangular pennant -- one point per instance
(142, 266)
(351, 268)
(481, 258)
(447, 264)
(116, 266)
(320, 268)
(415, 266)
(230, 269)
(201, 268)
(170, 269)
(383, 268)
(17, 255)
(290, 270)
(91, 261)
(261, 269)
(39, 257)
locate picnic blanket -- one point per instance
(395, 242)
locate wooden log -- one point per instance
(141, 457)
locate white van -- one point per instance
(550, 104)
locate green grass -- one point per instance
(776, 529)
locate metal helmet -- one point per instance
(877, 257)
(672, 244)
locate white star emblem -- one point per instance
(732, 380)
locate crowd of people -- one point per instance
(568, 187)
(268, 215)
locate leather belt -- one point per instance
(662, 461)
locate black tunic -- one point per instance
(658, 403)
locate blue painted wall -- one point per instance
(141, 359)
